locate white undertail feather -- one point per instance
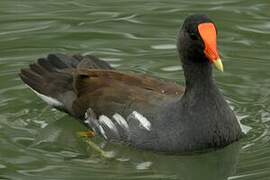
(49, 100)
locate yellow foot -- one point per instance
(86, 134)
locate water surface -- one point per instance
(134, 35)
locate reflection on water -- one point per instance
(137, 35)
(56, 148)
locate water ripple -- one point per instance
(134, 36)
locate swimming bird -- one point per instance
(139, 110)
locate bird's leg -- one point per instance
(86, 134)
(91, 121)
(90, 117)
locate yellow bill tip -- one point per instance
(218, 64)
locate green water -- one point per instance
(133, 35)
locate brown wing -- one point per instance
(75, 83)
(108, 91)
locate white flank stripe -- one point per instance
(120, 120)
(102, 131)
(106, 121)
(86, 115)
(143, 121)
(51, 101)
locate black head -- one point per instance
(197, 41)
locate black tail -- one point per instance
(51, 78)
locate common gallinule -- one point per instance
(142, 111)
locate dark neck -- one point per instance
(198, 77)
